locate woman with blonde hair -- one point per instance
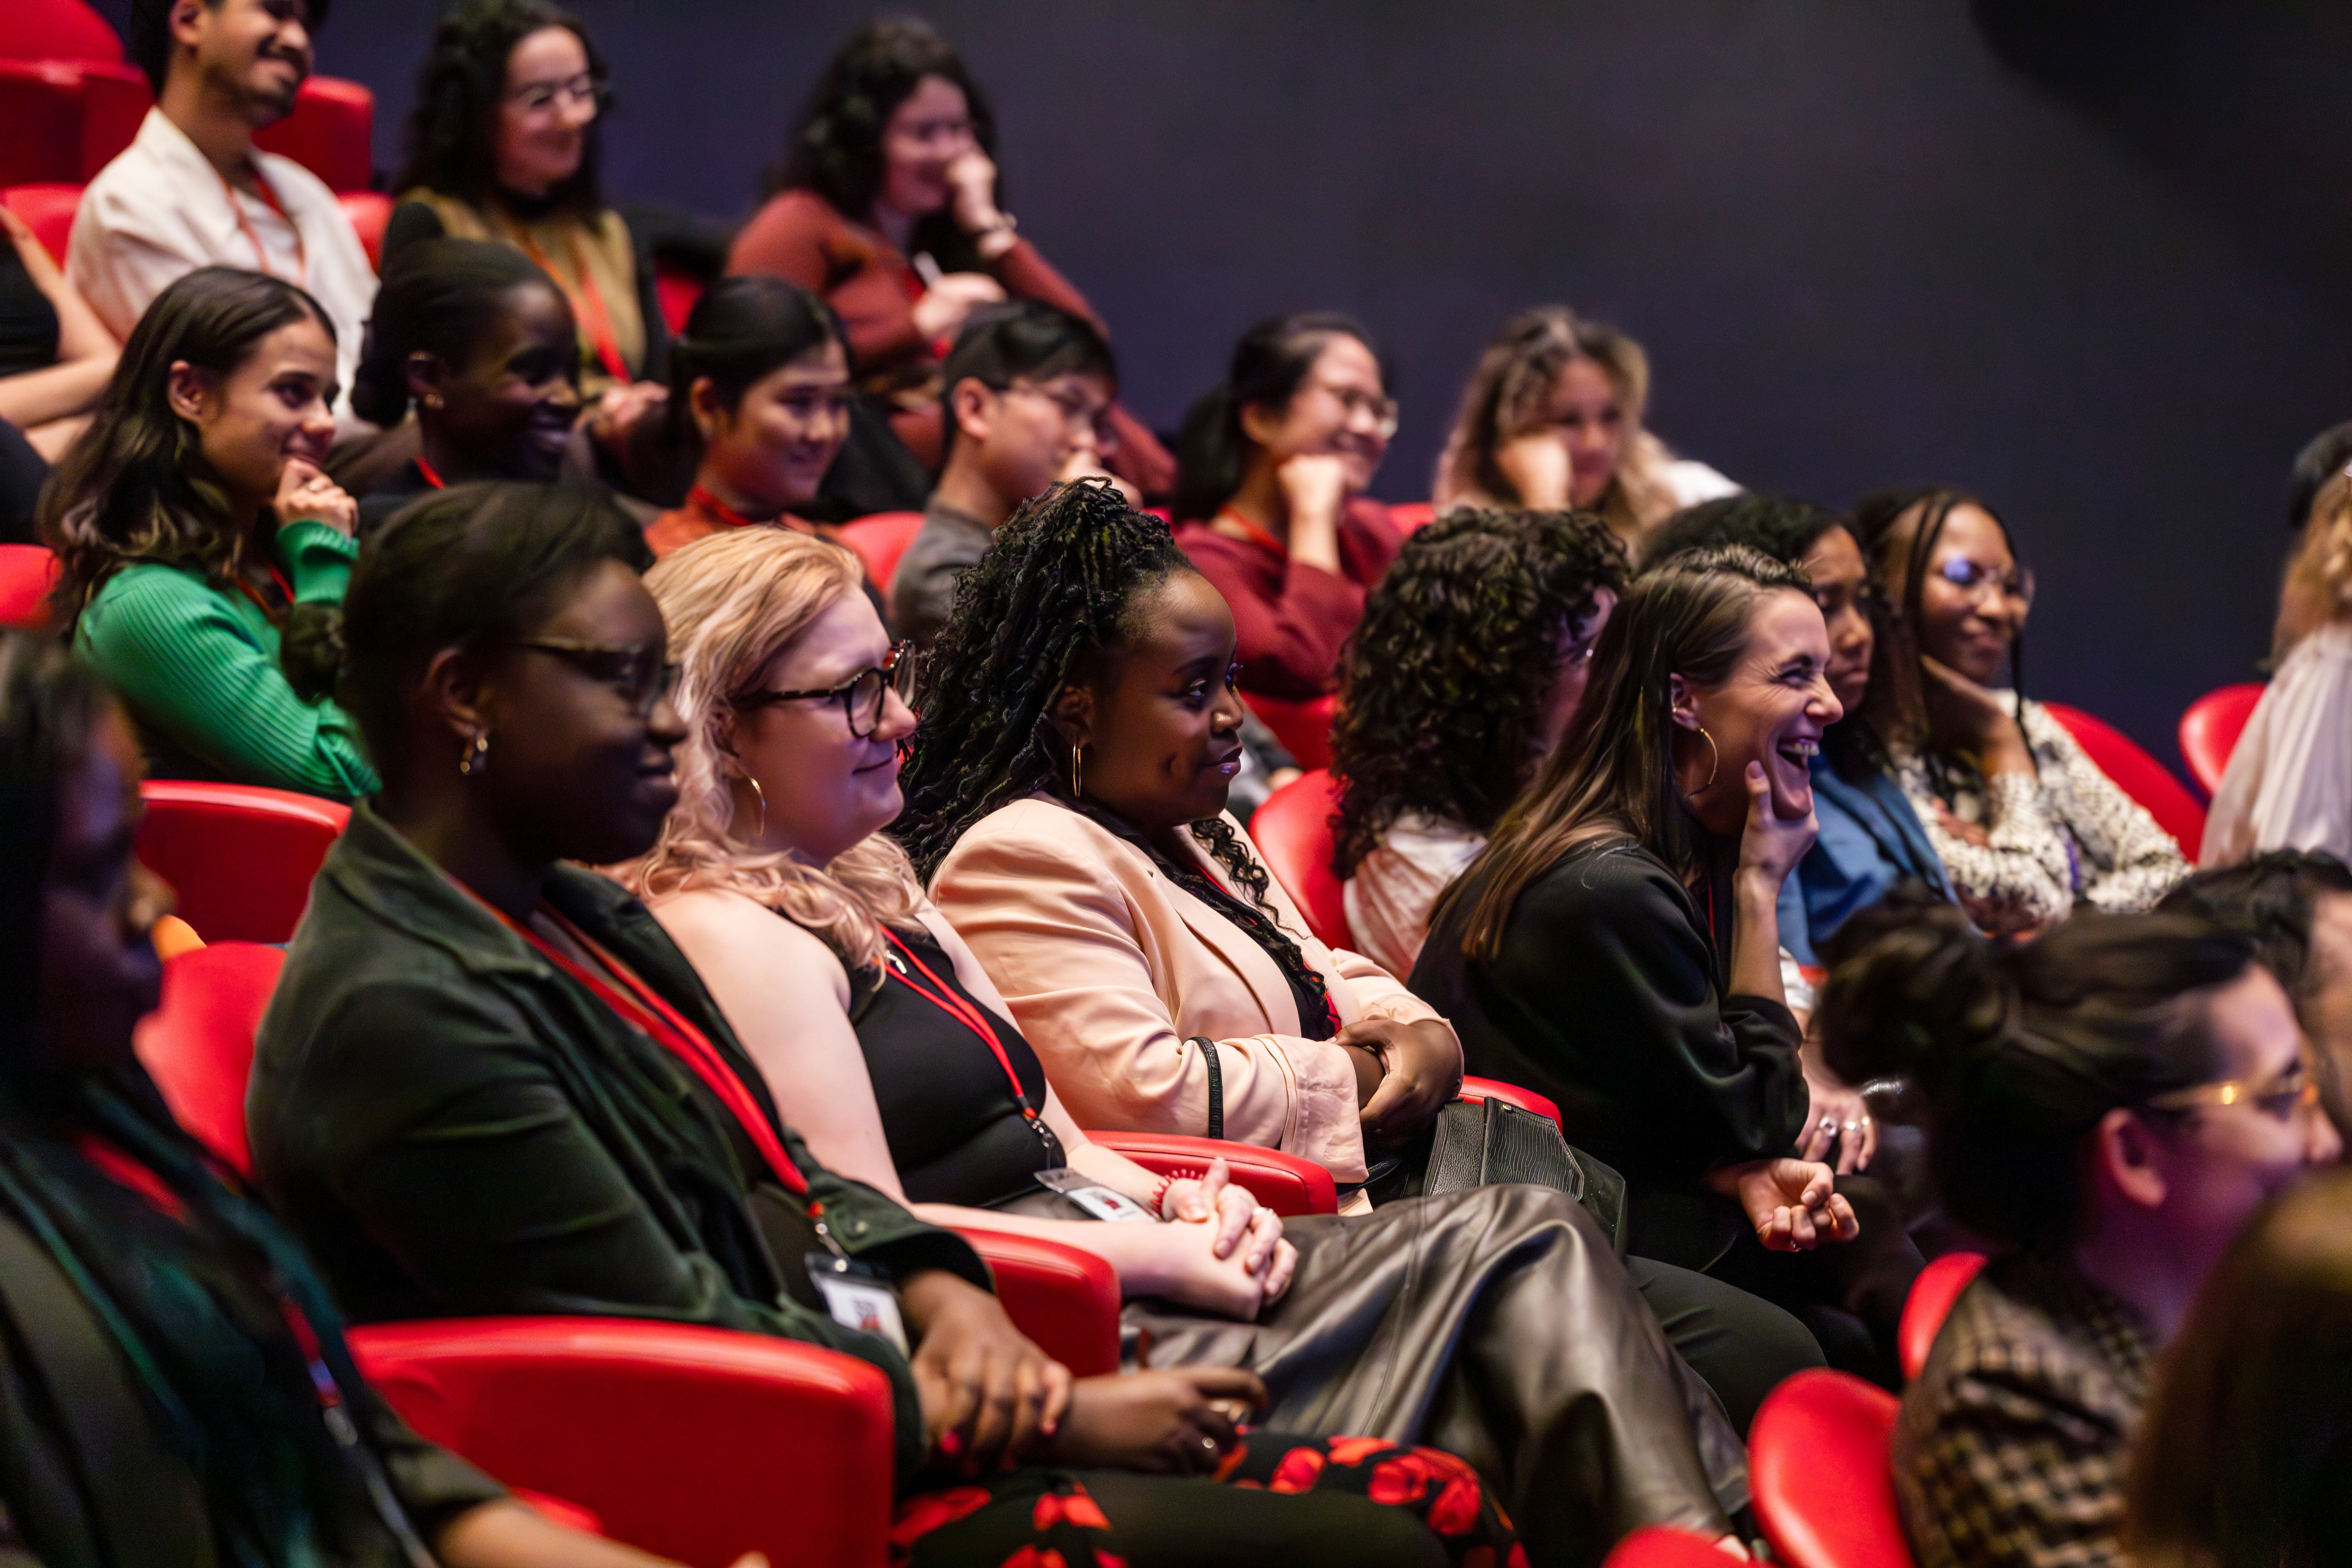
(2289, 783)
(1553, 420)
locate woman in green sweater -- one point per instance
(203, 553)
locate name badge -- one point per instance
(1097, 1200)
(858, 1297)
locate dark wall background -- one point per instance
(2086, 258)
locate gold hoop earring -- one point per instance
(762, 796)
(1714, 764)
(476, 758)
(1076, 788)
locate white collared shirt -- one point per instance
(160, 210)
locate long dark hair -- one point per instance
(243, 1416)
(836, 148)
(1614, 772)
(2018, 1049)
(1268, 364)
(453, 130)
(135, 488)
(742, 330)
(1449, 673)
(1896, 707)
(441, 295)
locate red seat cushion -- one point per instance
(2210, 728)
(198, 1045)
(1283, 1182)
(371, 213)
(1411, 516)
(1065, 1300)
(241, 857)
(1292, 830)
(1824, 1485)
(2137, 774)
(881, 540)
(1528, 1099)
(1303, 727)
(1930, 1302)
(695, 1444)
(330, 132)
(57, 30)
(26, 573)
(41, 122)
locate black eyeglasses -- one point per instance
(642, 681)
(861, 696)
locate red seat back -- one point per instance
(1283, 1182)
(114, 99)
(1818, 1464)
(41, 122)
(1528, 1099)
(1411, 516)
(1659, 1546)
(1292, 831)
(1930, 1302)
(370, 214)
(2210, 728)
(57, 30)
(49, 211)
(2137, 774)
(881, 540)
(678, 291)
(1303, 727)
(198, 1045)
(330, 133)
(241, 857)
(26, 573)
(695, 1444)
(1065, 1300)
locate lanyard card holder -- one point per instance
(1093, 1197)
(859, 1297)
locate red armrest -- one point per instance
(1285, 1183)
(695, 1444)
(1064, 1298)
(1511, 1094)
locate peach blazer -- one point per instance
(1112, 970)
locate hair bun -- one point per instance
(1911, 984)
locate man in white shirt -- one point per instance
(192, 191)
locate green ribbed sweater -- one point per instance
(199, 667)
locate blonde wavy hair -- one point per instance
(734, 602)
(1510, 395)
(2318, 587)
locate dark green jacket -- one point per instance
(456, 1128)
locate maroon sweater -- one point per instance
(1291, 621)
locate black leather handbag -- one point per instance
(1485, 1143)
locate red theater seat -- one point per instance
(114, 99)
(1292, 831)
(2210, 728)
(2137, 774)
(198, 1045)
(879, 541)
(1303, 727)
(1065, 1300)
(677, 290)
(1817, 1460)
(1528, 1099)
(370, 212)
(57, 30)
(330, 133)
(1285, 1183)
(697, 1444)
(41, 122)
(239, 856)
(49, 211)
(1413, 516)
(26, 573)
(1930, 1302)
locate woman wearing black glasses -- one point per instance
(2026, 825)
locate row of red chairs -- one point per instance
(49, 211)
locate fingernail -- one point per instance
(951, 1443)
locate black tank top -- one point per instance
(957, 1135)
(28, 322)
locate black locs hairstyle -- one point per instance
(441, 295)
(1272, 358)
(453, 130)
(1448, 674)
(148, 38)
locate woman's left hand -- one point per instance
(1839, 1118)
(971, 179)
(618, 413)
(306, 495)
(1214, 1198)
(1424, 1070)
(1794, 1205)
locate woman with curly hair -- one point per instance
(886, 203)
(203, 553)
(1469, 664)
(1552, 419)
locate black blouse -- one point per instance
(28, 322)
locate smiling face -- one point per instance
(1771, 709)
(774, 447)
(1589, 415)
(255, 54)
(544, 111)
(275, 405)
(1840, 580)
(508, 414)
(931, 129)
(1340, 407)
(1973, 598)
(1022, 437)
(98, 974)
(1160, 720)
(827, 789)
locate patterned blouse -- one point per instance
(2066, 836)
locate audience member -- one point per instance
(488, 1083)
(480, 340)
(763, 392)
(2241, 1460)
(916, 1081)
(1551, 418)
(2322, 458)
(1069, 808)
(2025, 824)
(1615, 944)
(1471, 659)
(23, 473)
(895, 159)
(2289, 782)
(2295, 908)
(171, 1353)
(1028, 391)
(193, 191)
(1275, 460)
(503, 145)
(202, 553)
(2108, 1104)
(55, 354)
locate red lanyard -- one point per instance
(258, 603)
(641, 1006)
(718, 511)
(971, 1017)
(270, 199)
(1255, 535)
(587, 303)
(431, 477)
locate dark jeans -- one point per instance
(1740, 1343)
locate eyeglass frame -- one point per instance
(2241, 1091)
(901, 657)
(2016, 585)
(645, 694)
(597, 92)
(1353, 400)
